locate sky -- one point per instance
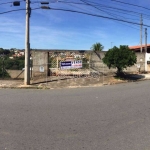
(91, 22)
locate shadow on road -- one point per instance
(131, 77)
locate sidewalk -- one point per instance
(73, 83)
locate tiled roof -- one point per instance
(138, 46)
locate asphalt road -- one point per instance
(113, 117)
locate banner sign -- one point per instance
(65, 65)
(77, 64)
(71, 64)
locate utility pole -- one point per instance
(145, 40)
(27, 45)
(141, 23)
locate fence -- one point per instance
(68, 68)
(57, 68)
(3, 72)
(11, 68)
(57, 77)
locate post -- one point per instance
(57, 62)
(3, 67)
(27, 45)
(145, 40)
(141, 22)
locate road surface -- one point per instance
(113, 117)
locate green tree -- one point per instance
(4, 51)
(119, 58)
(15, 64)
(3, 72)
(97, 47)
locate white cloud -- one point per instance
(42, 37)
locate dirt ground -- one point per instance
(52, 83)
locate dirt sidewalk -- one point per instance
(73, 82)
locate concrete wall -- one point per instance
(40, 63)
(97, 64)
(140, 65)
(16, 74)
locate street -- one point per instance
(115, 117)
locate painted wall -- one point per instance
(147, 62)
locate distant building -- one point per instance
(18, 53)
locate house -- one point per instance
(142, 58)
(137, 48)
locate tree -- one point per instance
(15, 64)
(97, 47)
(119, 58)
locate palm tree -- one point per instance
(97, 47)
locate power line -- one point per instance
(130, 4)
(5, 3)
(117, 8)
(100, 16)
(124, 11)
(5, 12)
(10, 2)
(68, 10)
(98, 8)
(128, 12)
(103, 11)
(95, 15)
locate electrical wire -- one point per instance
(97, 4)
(115, 9)
(99, 9)
(145, 16)
(100, 16)
(106, 12)
(5, 12)
(10, 2)
(5, 3)
(131, 4)
(95, 15)
(126, 10)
